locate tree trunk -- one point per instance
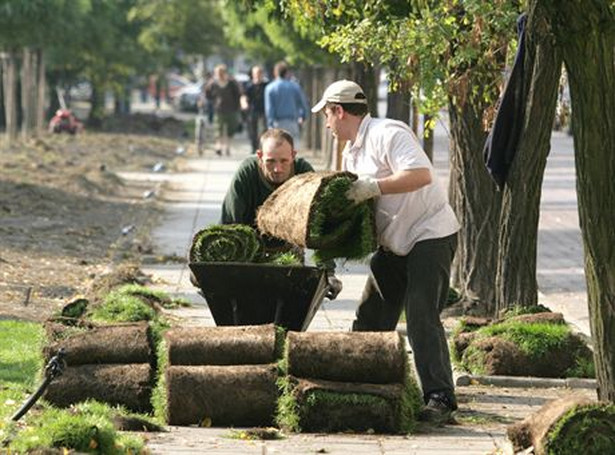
(516, 268)
(366, 77)
(398, 105)
(585, 34)
(97, 102)
(9, 80)
(28, 93)
(415, 118)
(40, 94)
(428, 136)
(477, 205)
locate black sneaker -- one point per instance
(439, 409)
(219, 152)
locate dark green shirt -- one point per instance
(248, 191)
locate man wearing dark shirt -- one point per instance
(257, 177)
(254, 105)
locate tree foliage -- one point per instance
(444, 48)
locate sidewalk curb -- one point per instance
(525, 382)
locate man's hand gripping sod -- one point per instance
(363, 189)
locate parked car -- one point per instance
(186, 97)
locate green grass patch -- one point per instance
(287, 412)
(20, 352)
(534, 340)
(84, 428)
(159, 393)
(519, 310)
(120, 307)
(152, 295)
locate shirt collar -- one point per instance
(352, 148)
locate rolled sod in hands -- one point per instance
(311, 210)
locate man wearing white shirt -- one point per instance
(417, 236)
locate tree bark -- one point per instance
(585, 33)
(41, 93)
(9, 80)
(28, 99)
(366, 77)
(477, 205)
(516, 268)
(97, 102)
(428, 136)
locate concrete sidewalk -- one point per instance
(192, 200)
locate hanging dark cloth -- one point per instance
(503, 139)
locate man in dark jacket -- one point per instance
(257, 177)
(254, 105)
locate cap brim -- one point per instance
(319, 106)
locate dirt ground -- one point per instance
(66, 217)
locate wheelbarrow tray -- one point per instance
(253, 294)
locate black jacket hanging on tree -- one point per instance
(503, 139)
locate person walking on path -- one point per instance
(253, 102)
(417, 236)
(224, 93)
(285, 103)
(256, 178)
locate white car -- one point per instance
(187, 97)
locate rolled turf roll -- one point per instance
(128, 385)
(240, 345)
(368, 357)
(112, 344)
(567, 426)
(325, 406)
(312, 211)
(225, 243)
(241, 395)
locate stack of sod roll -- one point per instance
(311, 210)
(222, 376)
(355, 381)
(111, 364)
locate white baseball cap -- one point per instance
(343, 91)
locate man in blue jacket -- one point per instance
(285, 103)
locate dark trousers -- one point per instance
(256, 126)
(418, 283)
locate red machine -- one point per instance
(64, 122)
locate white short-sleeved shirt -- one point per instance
(381, 148)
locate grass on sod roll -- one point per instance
(159, 394)
(535, 340)
(584, 429)
(153, 295)
(338, 228)
(226, 243)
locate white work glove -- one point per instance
(363, 189)
(334, 286)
